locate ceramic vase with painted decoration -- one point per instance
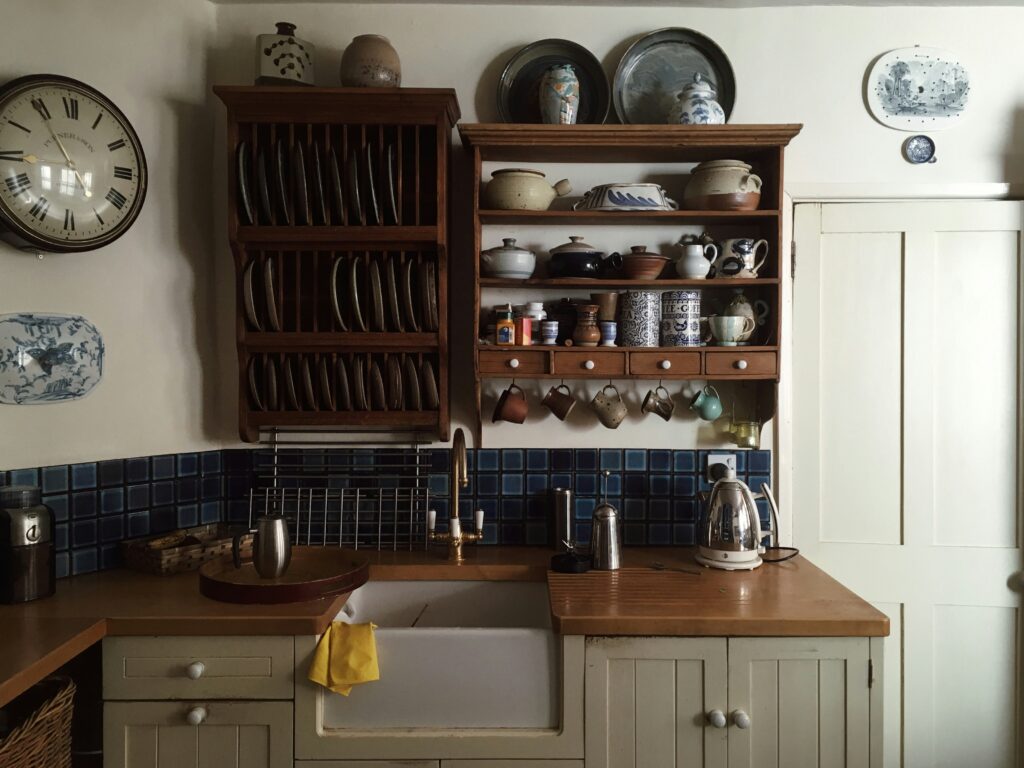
(697, 105)
(680, 318)
(559, 95)
(640, 319)
(370, 61)
(587, 334)
(284, 59)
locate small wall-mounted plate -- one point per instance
(919, 149)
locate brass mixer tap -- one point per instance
(455, 537)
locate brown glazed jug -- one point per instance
(587, 333)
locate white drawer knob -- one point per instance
(196, 716)
(513, 363)
(589, 365)
(741, 364)
(665, 365)
(195, 670)
(741, 719)
(717, 718)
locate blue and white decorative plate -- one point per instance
(914, 88)
(919, 149)
(48, 358)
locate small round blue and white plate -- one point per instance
(919, 149)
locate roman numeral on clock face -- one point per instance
(14, 155)
(116, 199)
(120, 172)
(115, 145)
(40, 106)
(97, 120)
(40, 208)
(18, 184)
(70, 106)
(69, 219)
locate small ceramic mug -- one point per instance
(610, 409)
(511, 406)
(729, 330)
(609, 331)
(707, 404)
(659, 401)
(549, 332)
(560, 401)
(738, 257)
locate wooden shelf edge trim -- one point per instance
(485, 135)
(572, 282)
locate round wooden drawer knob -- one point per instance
(195, 670)
(196, 716)
(589, 365)
(717, 718)
(665, 365)
(741, 364)
(741, 719)
(513, 363)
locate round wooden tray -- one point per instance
(314, 572)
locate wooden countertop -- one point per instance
(794, 598)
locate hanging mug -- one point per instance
(559, 402)
(610, 410)
(659, 401)
(511, 406)
(707, 404)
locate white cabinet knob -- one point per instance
(741, 719)
(513, 363)
(195, 670)
(665, 365)
(196, 716)
(716, 717)
(741, 364)
(589, 365)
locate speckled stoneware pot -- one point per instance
(370, 61)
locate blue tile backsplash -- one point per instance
(99, 504)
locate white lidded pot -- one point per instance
(508, 261)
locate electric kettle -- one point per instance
(730, 535)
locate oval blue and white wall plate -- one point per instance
(913, 89)
(48, 358)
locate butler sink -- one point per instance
(454, 655)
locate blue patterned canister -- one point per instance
(559, 95)
(639, 318)
(680, 318)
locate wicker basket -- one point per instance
(43, 739)
(183, 550)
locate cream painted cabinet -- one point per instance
(717, 703)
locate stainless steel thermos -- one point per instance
(28, 563)
(271, 547)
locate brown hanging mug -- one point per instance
(559, 402)
(511, 406)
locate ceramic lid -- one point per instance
(576, 245)
(641, 250)
(509, 247)
(711, 164)
(531, 171)
(699, 87)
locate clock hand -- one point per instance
(70, 163)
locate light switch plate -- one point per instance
(728, 459)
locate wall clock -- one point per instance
(72, 170)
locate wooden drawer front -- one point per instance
(576, 363)
(513, 362)
(653, 363)
(232, 667)
(741, 364)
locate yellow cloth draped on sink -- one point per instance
(345, 656)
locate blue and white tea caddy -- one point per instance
(697, 105)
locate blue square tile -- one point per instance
(660, 461)
(759, 461)
(486, 460)
(438, 484)
(512, 533)
(659, 534)
(684, 485)
(188, 489)
(582, 533)
(63, 565)
(61, 537)
(611, 459)
(110, 557)
(536, 484)
(188, 515)
(111, 472)
(441, 507)
(83, 476)
(163, 519)
(487, 485)
(237, 486)
(683, 533)
(188, 464)
(636, 460)
(489, 506)
(586, 484)
(611, 485)
(490, 533)
(659, 509)
(561, 480)
(511, 509)
(684, 461)
(741, 461)
(513, 459)
(634, 534)
(586, 460)
(210, 462)
(439, 459)
(537, 459)
(537, 507)
(754, 481)
(162, 493)
(112, 501)
(584, 509)
(136, 470)
(111, 528)
(24, 477)
(634, 509)
(211, 487)
(636, 485)
(84, 561)
(209, 512)
(59, 505)
(684, 510)
(469, 488)
(163, 467)
(512, 484)
(238, 511)
(561, 460)
(83, 504)
(138, 496)
(55, 479)
(536, 534)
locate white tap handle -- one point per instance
(741, 364)
(454, 528)
(717, 718)
(665, 365)
(431, 519)
(589, 365)
(741, 719)
(196, 716)
(513, 363)
(478, 520)
(195, 670)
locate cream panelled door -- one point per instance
(907, 349)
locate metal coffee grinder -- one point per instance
(28, 563)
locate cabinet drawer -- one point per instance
(664, 363)
(198, 668)
(584, 363)
(735, 363)
(513, 361)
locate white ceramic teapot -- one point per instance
(741, 306)
(695, 263)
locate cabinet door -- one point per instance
(147, 734)
(648, 701)
(799, 702)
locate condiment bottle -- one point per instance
(524, 331)
(505, 329)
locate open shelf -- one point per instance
(600, 283)
(613, 218)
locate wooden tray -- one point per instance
(314, 572)
(185, 549)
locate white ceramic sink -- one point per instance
(454, 655)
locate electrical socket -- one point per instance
(729, 459)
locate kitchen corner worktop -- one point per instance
(794, 598)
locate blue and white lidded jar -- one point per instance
(680, 318)
(697, 105)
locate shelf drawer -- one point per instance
(198, 668)
(512, 362)
(664, 363)
(590, 363)
(737, 363)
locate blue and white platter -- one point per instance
(48, 358)
(911, 89)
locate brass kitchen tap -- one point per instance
(455, 537)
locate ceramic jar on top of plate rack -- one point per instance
(370, 61)
(640, 319)
(284, 59)
(559, 95)
(697, 105)
(680, 318)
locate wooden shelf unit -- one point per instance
(413, 126)
(533, 145)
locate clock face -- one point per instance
(72, 170)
